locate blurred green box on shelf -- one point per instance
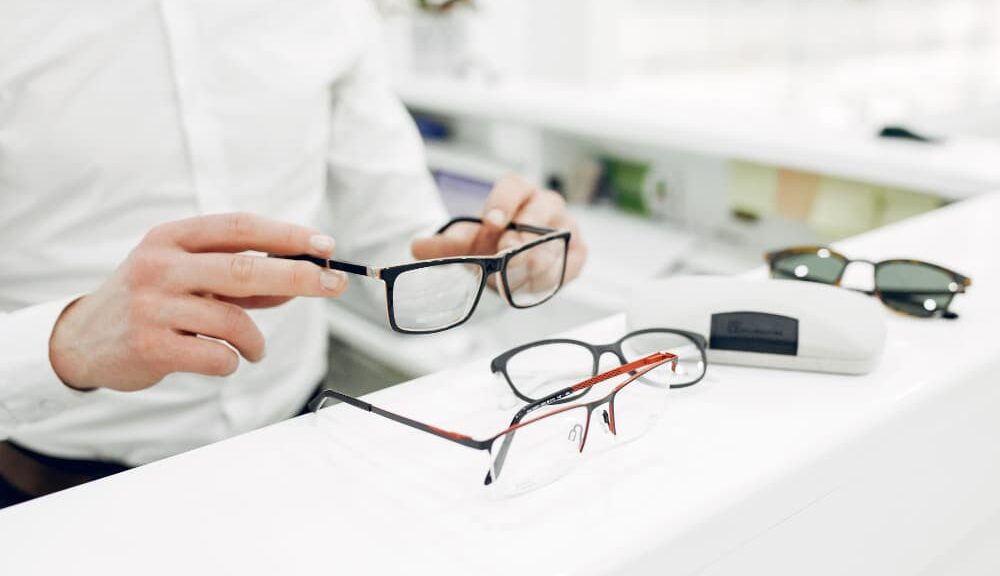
(832, 207)
(625, 183)
(637, 188)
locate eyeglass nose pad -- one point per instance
(606, 418)
(575, 436)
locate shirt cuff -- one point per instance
(30, 390)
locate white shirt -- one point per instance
(116, 115)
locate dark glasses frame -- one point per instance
(636, 369)
(961, 281)
(488, 264)
(597, 351)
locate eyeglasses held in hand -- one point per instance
(911, 287)
(435, 295)
(534, 451)
(537, 369)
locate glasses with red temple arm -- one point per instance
(533, 451)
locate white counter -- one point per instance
(752, 471)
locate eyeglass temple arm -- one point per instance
(915, 292)
(652, 361)
(320, 400)
(516, 226)
(348, 267)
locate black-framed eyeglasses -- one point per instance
(537, 369)
(434, 295)
(911, 287)
(547, 445)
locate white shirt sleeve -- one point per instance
(30, 390)
(381, 194)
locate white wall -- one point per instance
(862, 62)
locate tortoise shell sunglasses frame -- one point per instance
(958, 285)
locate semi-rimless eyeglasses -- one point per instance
(434, 295)
(547, 445)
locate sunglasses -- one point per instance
(911, 287)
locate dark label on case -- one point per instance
(755, 332)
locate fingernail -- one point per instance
(323, 245)
(496, 217)
(332, 279)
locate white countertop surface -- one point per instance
(750, 470)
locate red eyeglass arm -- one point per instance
(652, 360)
(655, 358)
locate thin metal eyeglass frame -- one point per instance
(597, 351)
(636, 370)
(489, 265)
(961, 281)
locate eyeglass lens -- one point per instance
(547, 447)
(690, 364)
(539, 371)
(442, 295)
(535, 273)
(638, 406)
(435, 297)
(914, 288)
(819, 266)
(539, 452)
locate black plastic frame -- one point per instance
(488, 264)
(962, 282)
(597, 351)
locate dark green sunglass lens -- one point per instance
(914, 288)
(819, 266)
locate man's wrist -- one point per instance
(65, 359)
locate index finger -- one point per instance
(246, 276)
(240, 231)
(504, 201)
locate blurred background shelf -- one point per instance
(959, 166)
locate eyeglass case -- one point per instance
(787, 324)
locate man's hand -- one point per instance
(185, 280)
(512, 200)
